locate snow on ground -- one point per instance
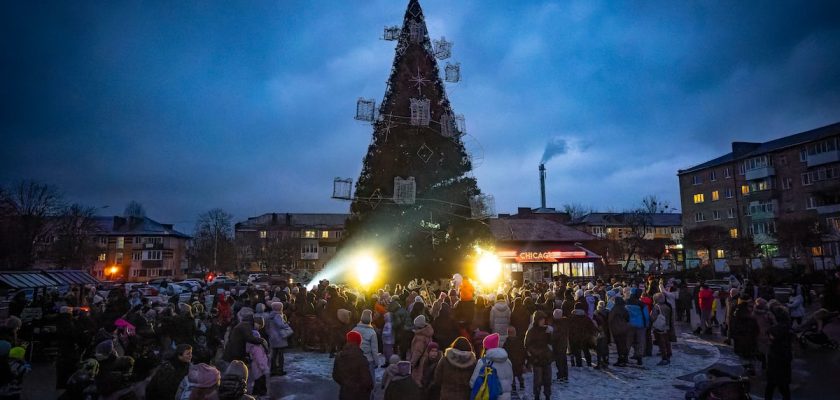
(310, 375)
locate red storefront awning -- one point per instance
(550, 253)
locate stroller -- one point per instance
(810, 332)
(719, 385)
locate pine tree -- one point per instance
(433, 236)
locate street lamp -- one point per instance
(113, 270)
(365, 268)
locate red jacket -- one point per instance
(706, 297)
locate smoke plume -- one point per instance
(557, 146)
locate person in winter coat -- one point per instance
(260, 368)
(560, 344)
(278, 330)
(765, 320)
(423, 333)
(233, 384)
(390, 371)
(453, 372)
(165, 381)
(515, 348)
(351, 370)
(744, 331)
(796, 305)
(684, 303)
(663, 339)
(201, 383)
(445, 328)
(399, 318)
(582, 331)
(499, 359)
(705, 297)
(241, 334)
(639, 321)
(779, 356)
(401, 386)
(500, 318)
(537, 347)
(388, 337)
(81, 385)
(370, 344)
(429, 362)
(602, 338)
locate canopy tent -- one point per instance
(44, 279)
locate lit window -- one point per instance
(715, 196)
(263, 234)
(102, 256)
(816, 251)
(309, 234)
(325, 234)
(698, 198)
(733, 233)
(720, 253)
(745, 190)
(120, 242)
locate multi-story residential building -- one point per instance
(138, 249)
(748, 189)
(287, 241)
(616, 226)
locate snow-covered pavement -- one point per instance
(310, 375)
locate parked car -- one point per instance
(191, 286)
(254, 277)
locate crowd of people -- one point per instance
(431, 340)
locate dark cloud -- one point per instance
(187, 106)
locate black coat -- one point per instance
(241, 334)
(582, 330)
(537, 341)
(560, 336)
(165, 381)
(351, 372)
(403, 388)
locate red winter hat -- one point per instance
(491, 341)
(354, 337)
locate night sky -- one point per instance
(190, 105)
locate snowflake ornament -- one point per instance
(419, 80)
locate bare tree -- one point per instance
(25, 209)
(796, 235)
(213, 240)
(636, 223)
(652, 205)
(576, 210)
(75, 232)
(134, 209)
(709, 238)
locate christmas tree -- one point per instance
(413, 199)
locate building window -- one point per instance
(120, 242)
(137, 255)
(698, 198)
(716, 215)
(733, 233)
(764, 184)
(787, 183)
(731, 213)
(803, 155)
(309, 234)
(138, 239)
(699, 217)
(806, 179)
(833, 224)
(119, 257)
(697, 179)
(720, 253)
(715, 196)
(325, 234)
(263, 234)
(309, 248)
(745, 190)
(811, 203)
(103, 240)
(153, 255)
(727, 172)
(712, 176)
(741, 169)
(822, 147)
(763, 228)
(747, 211)
(338, 234)
(102, 256)
(757, 162)
(728, 192)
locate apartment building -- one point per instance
(289, 241)
(616, 226)
(138, 249)
(749, 188)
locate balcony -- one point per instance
(823, 158)
(763, 238)
(828, 209)
(773, 213)
(760, 173)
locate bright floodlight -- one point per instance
(365, 267)
(488, 267)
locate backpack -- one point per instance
(637, 316)
(660, 323)
(487, 386)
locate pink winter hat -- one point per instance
(203, 376)
(491, 341)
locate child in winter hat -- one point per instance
(420, 322)
(491, 342)
(367, 317)
(354, 338)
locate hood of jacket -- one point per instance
(501, 306)
(461, 359)
(394, 306)
(427, 331)
(497, 355)
(578, 313)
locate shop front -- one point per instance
(541, 263)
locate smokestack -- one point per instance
(542, 185)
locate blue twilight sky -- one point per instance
(248, 106)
